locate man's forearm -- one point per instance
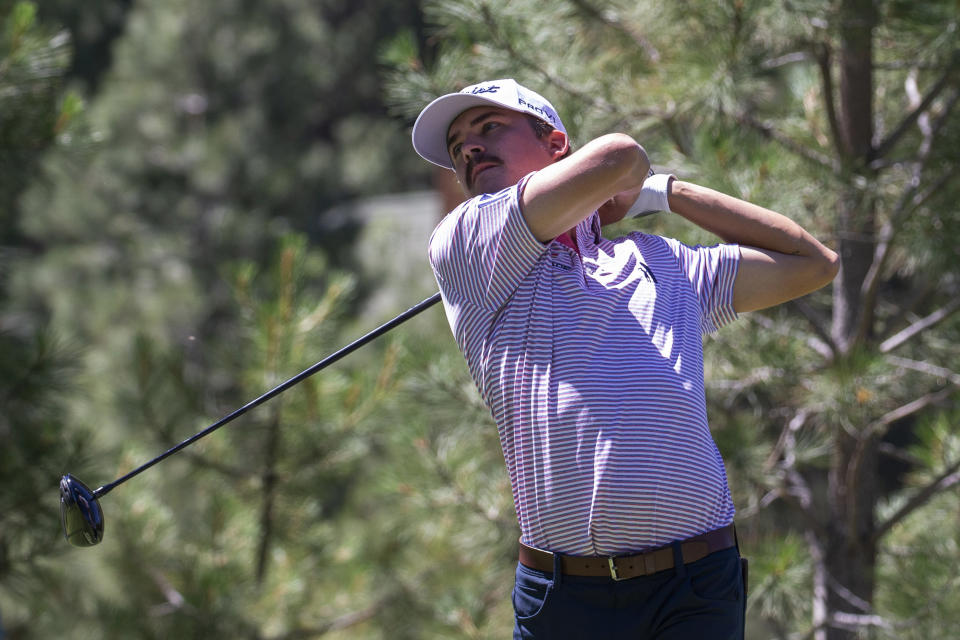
(779, 260)
(741, 222)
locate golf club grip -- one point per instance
(300, 377)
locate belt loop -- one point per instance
(557, 570)
(679, 566)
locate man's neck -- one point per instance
(569, 238)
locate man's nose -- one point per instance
(471, 148)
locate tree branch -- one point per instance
(824, 56)
(900, 65)
(948, 478)
(910, 119)
(345, 621)
(794, 487)
(174, 599)
(199, 460)
(925, 367)
(928, 131)
(909, 202)
(269, 497)
(920, 326)
(786, 442)
(945, 114)
(910, 300)
(785, 59)
(896, 453)
(878, 427)
(825, 346)
(463, 498)
(875, 430)
(768, 131)
(167, 439)
(798, 493)
(612, 21)
(820, 591)
(552, 79)
(826, 350)
(857, 621)
(848, 596)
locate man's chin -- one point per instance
(489, 181)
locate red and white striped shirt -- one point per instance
(592, 366)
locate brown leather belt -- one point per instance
(626, 567)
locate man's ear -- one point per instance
(558, 144)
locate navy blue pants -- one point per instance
(703, 599)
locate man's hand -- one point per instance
(616, 208)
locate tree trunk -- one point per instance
(849, 554)
(850, 548)
(855, 222)
(269, 497)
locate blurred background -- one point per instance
(200, 199)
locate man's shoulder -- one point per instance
(507, 195)
(477, 206)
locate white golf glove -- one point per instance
(653, 195)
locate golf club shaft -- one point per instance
(300, 377)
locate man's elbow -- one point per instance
(826, 268)
(816, 272)
(629, 157)
(767, 278)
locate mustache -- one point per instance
(474, 161)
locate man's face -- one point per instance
(493, 148)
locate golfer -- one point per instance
(588, 352)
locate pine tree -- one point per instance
(248, 533)
(163, 246)
(832, 412)
(37, 367)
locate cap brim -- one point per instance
(430, 129)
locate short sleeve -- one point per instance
(482, 250)
(711, 272)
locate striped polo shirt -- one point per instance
(592, 367)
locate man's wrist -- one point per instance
(653, 196)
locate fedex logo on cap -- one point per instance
(538, 109)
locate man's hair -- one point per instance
(543, 129)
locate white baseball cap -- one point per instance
(430, 129)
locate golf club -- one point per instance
(80, 512)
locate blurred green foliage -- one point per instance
(816, 405)
(179, 232)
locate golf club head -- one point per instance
(80, 513)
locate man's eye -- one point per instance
(490, 125)
(455, 150)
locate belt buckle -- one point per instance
(612, 561)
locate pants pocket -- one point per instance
(718, 577)
(531, 593)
